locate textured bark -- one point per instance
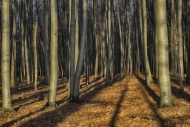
(53, 54)
(6, 55)
(163, 63)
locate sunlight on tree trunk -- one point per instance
(163, 63)
(53, 54)
(6, 55)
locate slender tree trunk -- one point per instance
(35, 56)
(27, 57)
(46, 43)
(53, 54)
(173, 28)
(72, 50)
(121, 41)
(96, 39)
(81, 53)
(149, 79)
(13, 58)
(109, 37)
(180, 39)
(6, 55)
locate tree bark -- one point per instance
(53, 54)
(163, 63)
(6, 55)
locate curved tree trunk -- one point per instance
(81, 53)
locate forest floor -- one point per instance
(126, 102)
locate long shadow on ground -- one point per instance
(177, 92)
(155, 97)
(162, 122)
(58, 115)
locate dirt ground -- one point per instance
(126, 102)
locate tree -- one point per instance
(53, 54)
(180, 47)
(81, 52)
(46, 43)
(13, 53)
(6, 55)
(35, 26)
(163, 63)
(148, 74)
(72, 49)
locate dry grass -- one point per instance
(128, 102)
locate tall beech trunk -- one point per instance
(6, 55)
(53, 54)
(163, 57)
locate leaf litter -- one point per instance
(127, 102)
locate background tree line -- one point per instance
(55, 39)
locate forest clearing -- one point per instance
(126, 102)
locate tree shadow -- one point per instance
(163, 122)
(52, 118)
(178, 94)
(151, 93)
(118, 107)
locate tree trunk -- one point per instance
(149, 79)
(13, 58)
(6, 55)
(81, 53)
(53, 54)
(163, 63)
(172, 34)
(180, 39)
(46, 43)
(35, 56)
(72, 50)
